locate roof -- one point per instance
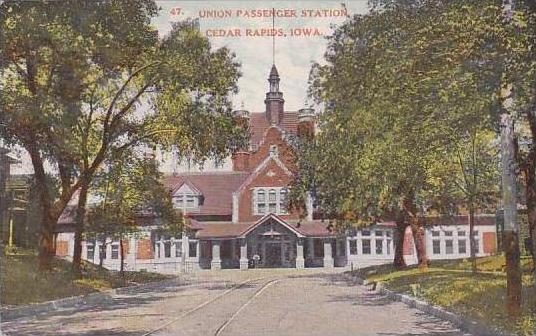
(259, 124)
(273, 71)
(220, 230)
(460, 220)
(216, 187)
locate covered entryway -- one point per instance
(273, 243)
(272, 254)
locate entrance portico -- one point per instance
(270, 242)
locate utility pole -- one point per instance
(509, 188)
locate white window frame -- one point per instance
(267, 201)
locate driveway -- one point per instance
(254, 302)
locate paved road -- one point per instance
(260, 302)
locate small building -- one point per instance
(239, 218)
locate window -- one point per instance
(190, 201)
(477, 241)
(365, 233)
(462, 246)
(436, 246)
(448, 233)
(353, 246)
(379, 246)
(461, 233)
(449, 246)
(273, 150)
(115, 251)
(261, 199)
(192, 251)
(270, 201)
(185, 200)
(283, 201)
(178, 248)
(90, 255)
(179, 201)
(388, 234)
(167, 249)
(102, 251)
(378, 233)
(366, 246)
(435, 233)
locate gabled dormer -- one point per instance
(187, 197)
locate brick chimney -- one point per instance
(241, 156)
(274, 99)
(241, 161)
(306, 123)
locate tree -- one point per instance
(397, 83)
(469, 178)
(129, 190)
(82, 81)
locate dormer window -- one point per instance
(273, 150)
(269, 200)
(186, 198)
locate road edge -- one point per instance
(9, 314)
(466, 325)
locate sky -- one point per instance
(293, 54)
(243, 27)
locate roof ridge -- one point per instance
(226, 172)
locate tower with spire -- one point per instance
(274, 99)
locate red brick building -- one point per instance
(239, 218)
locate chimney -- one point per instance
(241, 161)
(274, 99)
(241, 118)
(306, 123)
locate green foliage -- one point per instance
(21, 283)
(407, 90)
(84, 81)
(450, 284)
(129, 192)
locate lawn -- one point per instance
(22, 283)
(450, 284)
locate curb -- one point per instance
(464, 324)
(8, 314)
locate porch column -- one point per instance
(300, 261)
(243, 254)
(215, 264)
(328, 258)
(185, 252)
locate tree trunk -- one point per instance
(530, 194)
(49, 216)
(101, 253)
(79, 229)
(472, 241)
(513, 273)
(511, 225)
(122, 252)
(399, 261)
(47, 248)
(410, 216)
(418, 237)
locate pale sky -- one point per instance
(293, 54)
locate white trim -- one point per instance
(264, 219)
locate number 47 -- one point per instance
(175, 11)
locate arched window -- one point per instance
(272, 201)
(283, 201)
(261, 202)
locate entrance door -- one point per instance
(273, 254)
